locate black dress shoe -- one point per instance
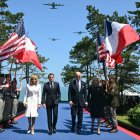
(113, 130)
(72, 129)
(50, 133)
(54, 130)
(2, 130)
(108, 125)
(92, 129)
(7, 126)
(78, 132)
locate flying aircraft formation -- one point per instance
(53, 5)
(79, 32)
(53, 39)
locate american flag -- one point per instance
(103, 55)
(16, 40)
(101, 49)
(110, 62)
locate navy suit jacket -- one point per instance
(77, 97)
(50, 95)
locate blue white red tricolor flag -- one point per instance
(118, 36)
(104, 55)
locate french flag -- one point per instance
(118, 36)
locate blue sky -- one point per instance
(43, 23)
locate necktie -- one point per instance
(78, 85)
(51, 85)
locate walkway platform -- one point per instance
(18, 131)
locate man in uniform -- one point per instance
(113, 102)
(8, 101)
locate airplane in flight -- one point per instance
(79, 32)
(53, 5)
(53, 39)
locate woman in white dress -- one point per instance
(32, 101)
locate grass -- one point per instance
(124, 118)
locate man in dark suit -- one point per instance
(50, 99)
(77, 97)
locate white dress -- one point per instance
(32, 98)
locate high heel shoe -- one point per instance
(28, 131)
(32, 132)
(98, 132)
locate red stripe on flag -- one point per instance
(110, 62)
(10, 46)
(101, 52)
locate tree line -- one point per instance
(83, 55)
(8, 21)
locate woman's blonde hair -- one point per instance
(33, 77)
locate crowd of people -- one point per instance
(101, 99)
(9, 94)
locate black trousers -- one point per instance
(77, 111)
(52, 113)
(7, 109)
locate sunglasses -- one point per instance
(78, 76)
(50, 77)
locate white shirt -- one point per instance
(78, 83)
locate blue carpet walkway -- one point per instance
(18, 132)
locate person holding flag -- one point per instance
(113, 102)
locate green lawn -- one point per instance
(124, 118)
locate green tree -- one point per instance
(131, 54)
(134, 17)
(7, 25)
(83, 54)
(96, 23)
(68, 73)
(7, 22)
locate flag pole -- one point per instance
(15, 71)
(11, 66)
(21, 79)
(104, 63)
(99, 67)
